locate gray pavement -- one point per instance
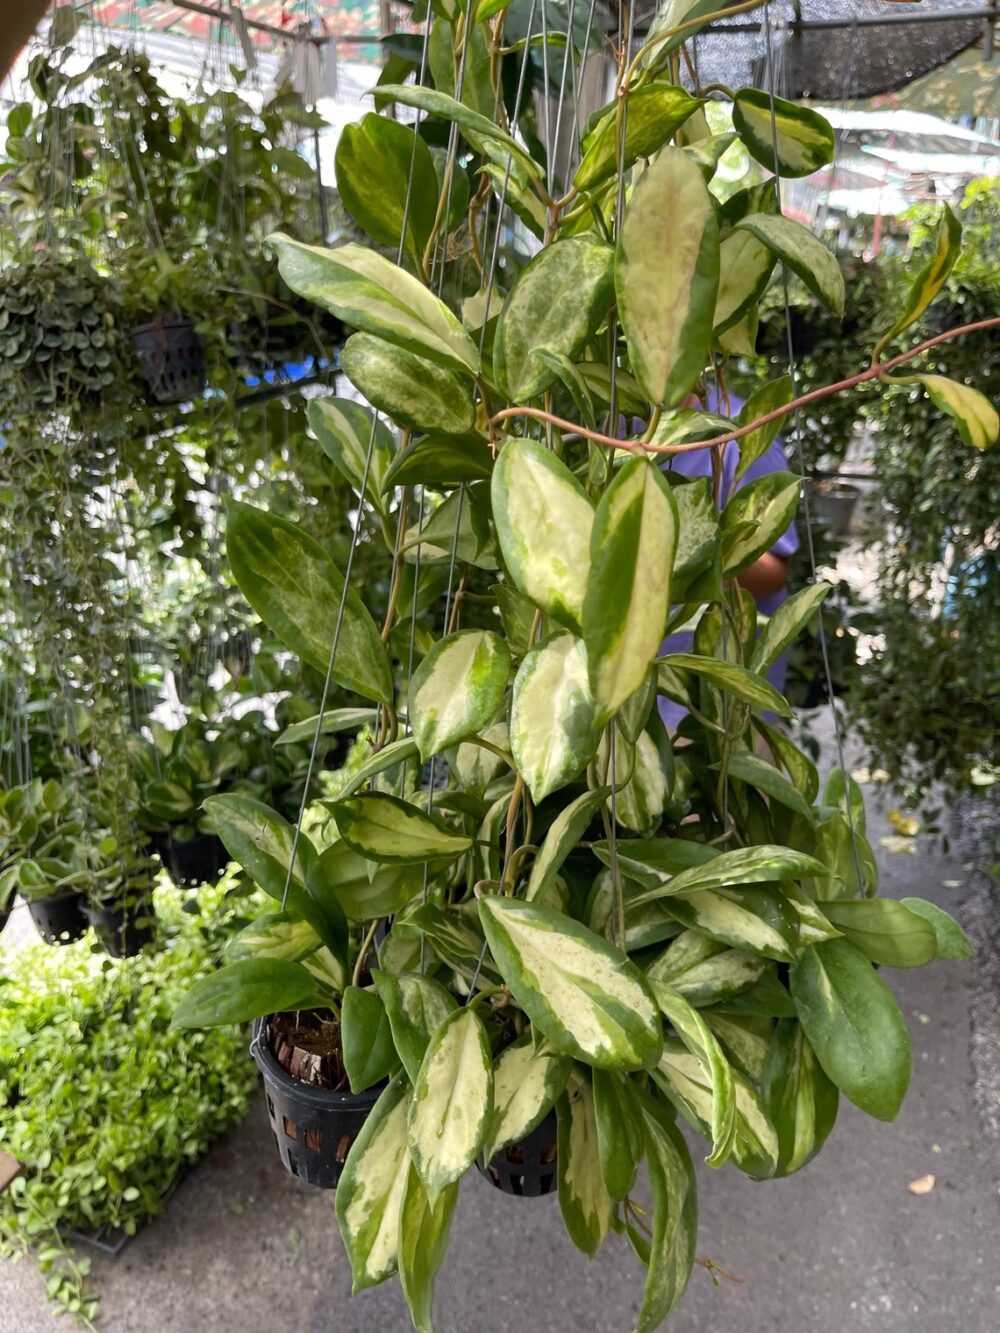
(244, 1248)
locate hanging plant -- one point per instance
(588, 914)
(64, 348)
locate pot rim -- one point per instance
(321, 1098)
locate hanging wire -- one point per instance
(797, 438)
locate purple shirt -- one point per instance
(697, 463)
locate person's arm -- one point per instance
(766, 576)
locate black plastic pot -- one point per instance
(313, 1127)
(60, 919)
(123, 930)
(199, 861)
(527, 1168)
(172, 357)
(834, 502)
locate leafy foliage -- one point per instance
(586, 912)
(102, 1104)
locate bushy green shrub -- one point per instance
(101, 1102)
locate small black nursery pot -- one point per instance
(527, 1168)
(313, 1127)
(59, 919)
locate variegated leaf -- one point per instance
(643, 776)
(801, 1101)
(543, 523)
(484, 135)
(654, 113)
(698, 1037)
(416, 1006)
(685, 1079)
(386, 180)
(813, 926)
(654, 861)
(584, 1201)
(297, 591)
(274, 935)
(409, 388)
(741, 338)
(370, 293)
(520, 199)
(553, 730)
(976, 417)
(527, 1079)
(580, 991)
(457, 688)
(628, 588)
(666, 293)
(370, 1191)
(745, 865)
(348, 433)
(758, 918)
(704, 971)
(381, 828)
(745, 266)
(804, 139)
(424, 1227)
(564, 833)
(933, 275)
(452, 1101)
(745, 1038)
(263, 843)
(670, 16)
(756, 517)
(675, 1216)
(458, 529)
(744, 685)
(557, 302)
(327, 723)
(796, 764)
(473, 766)
(806, 255)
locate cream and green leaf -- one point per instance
(452, 1104)
(580, 992)
(457, 689)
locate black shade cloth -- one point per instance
(830, 64)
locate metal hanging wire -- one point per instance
(796, 435)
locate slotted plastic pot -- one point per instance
(526, 1168)
(122, 930)
(199, 861)
(59, 919)
(172, 357)
(313, 1127)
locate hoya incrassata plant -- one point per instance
(585, 912)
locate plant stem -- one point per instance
(359, 962)
(815, 396)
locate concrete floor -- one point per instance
(245, 1248)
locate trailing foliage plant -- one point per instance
(587, 914)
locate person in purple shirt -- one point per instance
(767, 578)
